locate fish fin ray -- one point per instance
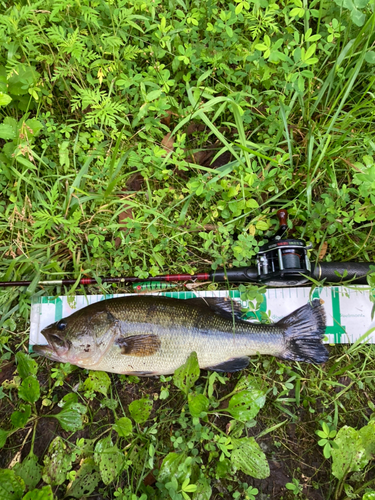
(232, 365)
(139, 345)
(303, 333)
(141, 374)
(227, 308)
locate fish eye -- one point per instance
(56, 340)
(61, 325)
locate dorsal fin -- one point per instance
(222, 306)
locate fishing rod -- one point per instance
(281, 262)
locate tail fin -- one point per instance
(303, 332)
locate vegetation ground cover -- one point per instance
(152, 136)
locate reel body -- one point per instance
(284, 261)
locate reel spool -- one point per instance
(283, 261)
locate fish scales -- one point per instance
(182, 330)
(151, 335)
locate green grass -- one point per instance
(280, 98)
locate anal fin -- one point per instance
(232, 365)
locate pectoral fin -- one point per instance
(139, 345)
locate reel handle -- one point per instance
(282, 215)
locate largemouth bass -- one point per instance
(155, 335)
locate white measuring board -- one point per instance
(348, 310)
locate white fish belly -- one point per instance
(176, 347)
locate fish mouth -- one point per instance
(47, 351)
